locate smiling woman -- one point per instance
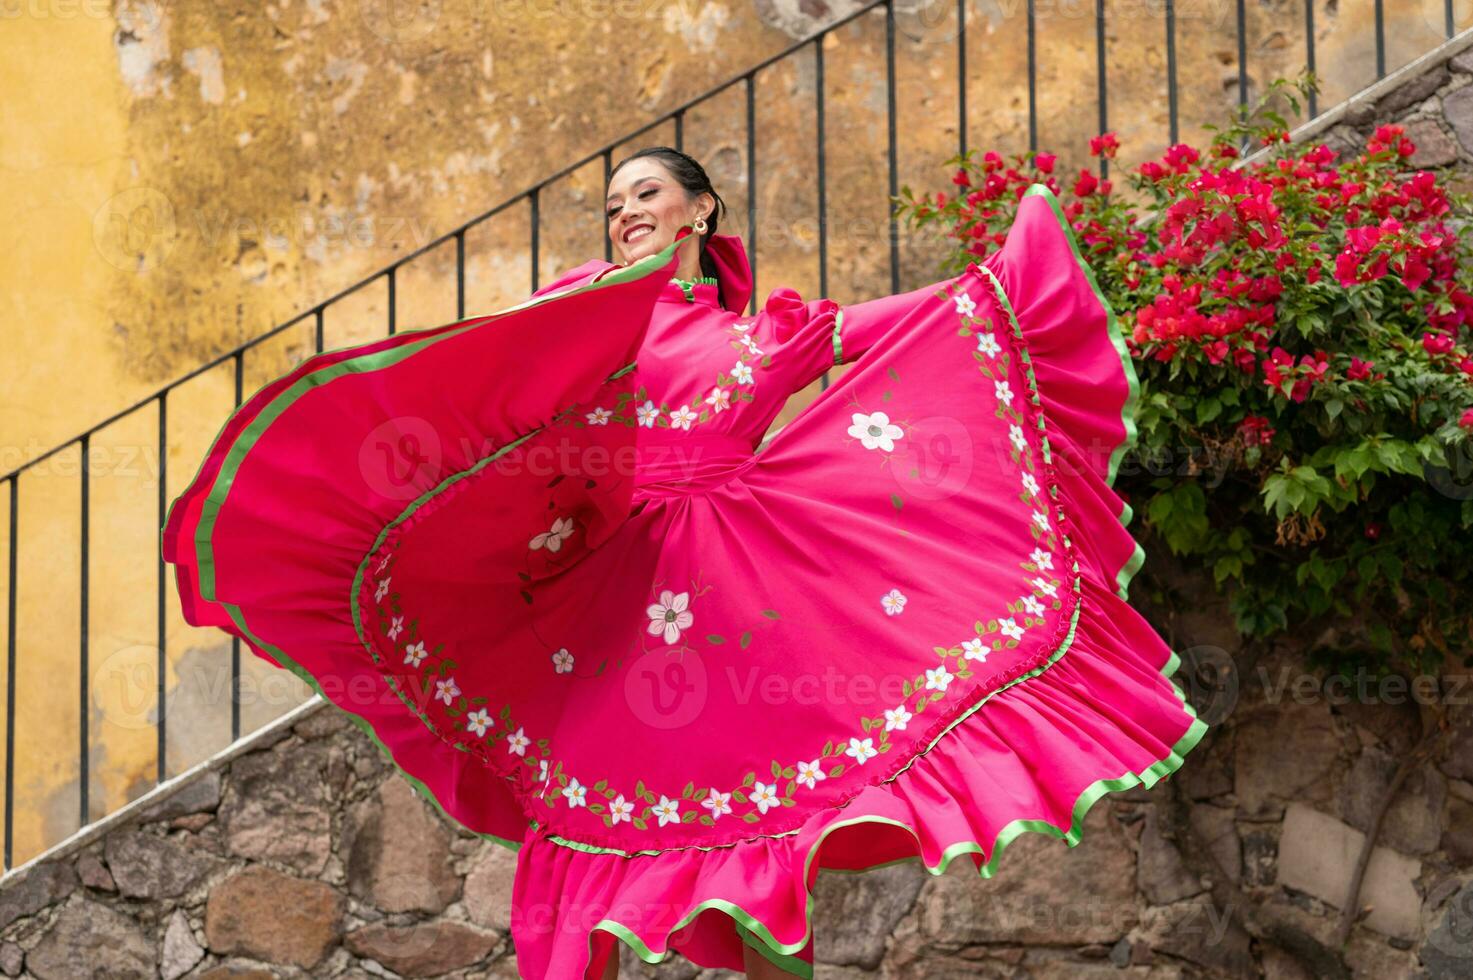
(537, 556)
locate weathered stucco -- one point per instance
(182, 176)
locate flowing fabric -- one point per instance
(540, 559)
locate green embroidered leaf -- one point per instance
(891, 373)
(600, 786)
(789, 771)
(639, 823)
(828, 750)
(687, 816)
(788, 802)
(788, 789)
(595, 808)
(524, 576)
(905, 689)
(837, 770)
(715, 638)
(738, 796)
(749, 817)
(770, 613)
(690, 788)
(707, 821)
(745, 640)
(895, 499)
(639, 789)
(777, 770)
(478, 700)
(749, 779)
(527, 596)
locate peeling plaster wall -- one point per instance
(182, 176)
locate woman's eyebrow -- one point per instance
(636, 184)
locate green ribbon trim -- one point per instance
(838, 344)
(688, 285)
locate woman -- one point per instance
(537, 556)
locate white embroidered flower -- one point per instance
(1041, 558)
(576, 793)
(682, 417)
(1032, 605)
(382, 590)
(396, 626)
(1045, 586)
(553, 539)
(667, 810)
(670, 615)
(717, 803)
(478, 721)
(447, 690)
(743, 325)
(542, 775)
(987, 344)
(621, 809)
(751, 345)
(764, 796)
(414, 653)
(719, 399)
(647, 414)
(1040, 517)
(897, 718)
(862, 750)
(742, 373)
(599, 416)
(562, 661)
(1029, 483)
(875, 431)
(893, 602)
(975, 649)
(1015, 433)
(936, 680)
(1010, 628)
(517, 742)
(1003, 391)
(965, 305)
(809, 773)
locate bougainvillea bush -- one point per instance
(1301, 331)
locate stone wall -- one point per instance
(302, 852)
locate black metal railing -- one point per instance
(531, 198)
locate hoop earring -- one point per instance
(699, 226)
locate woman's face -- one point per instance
(646, 206)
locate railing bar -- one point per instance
(10, 677)
(1309, 49)
(536, 220)
(823, 224)
(320, 329)
(161, 665)
(961, 75)
(1032, 84)
(393, 296)
(235, 640)
(460, 275)
(1171, 69)
(680, 129)
(892, 153)
(608, 174)
(1447, 16)
(1104, 116)
(752, 187)
(1380, 41)
(83, 668)
(1243, 63)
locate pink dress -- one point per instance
(539, 558)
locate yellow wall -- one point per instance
(179, 177)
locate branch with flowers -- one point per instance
(1301, 331)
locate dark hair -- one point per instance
(692, 176)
